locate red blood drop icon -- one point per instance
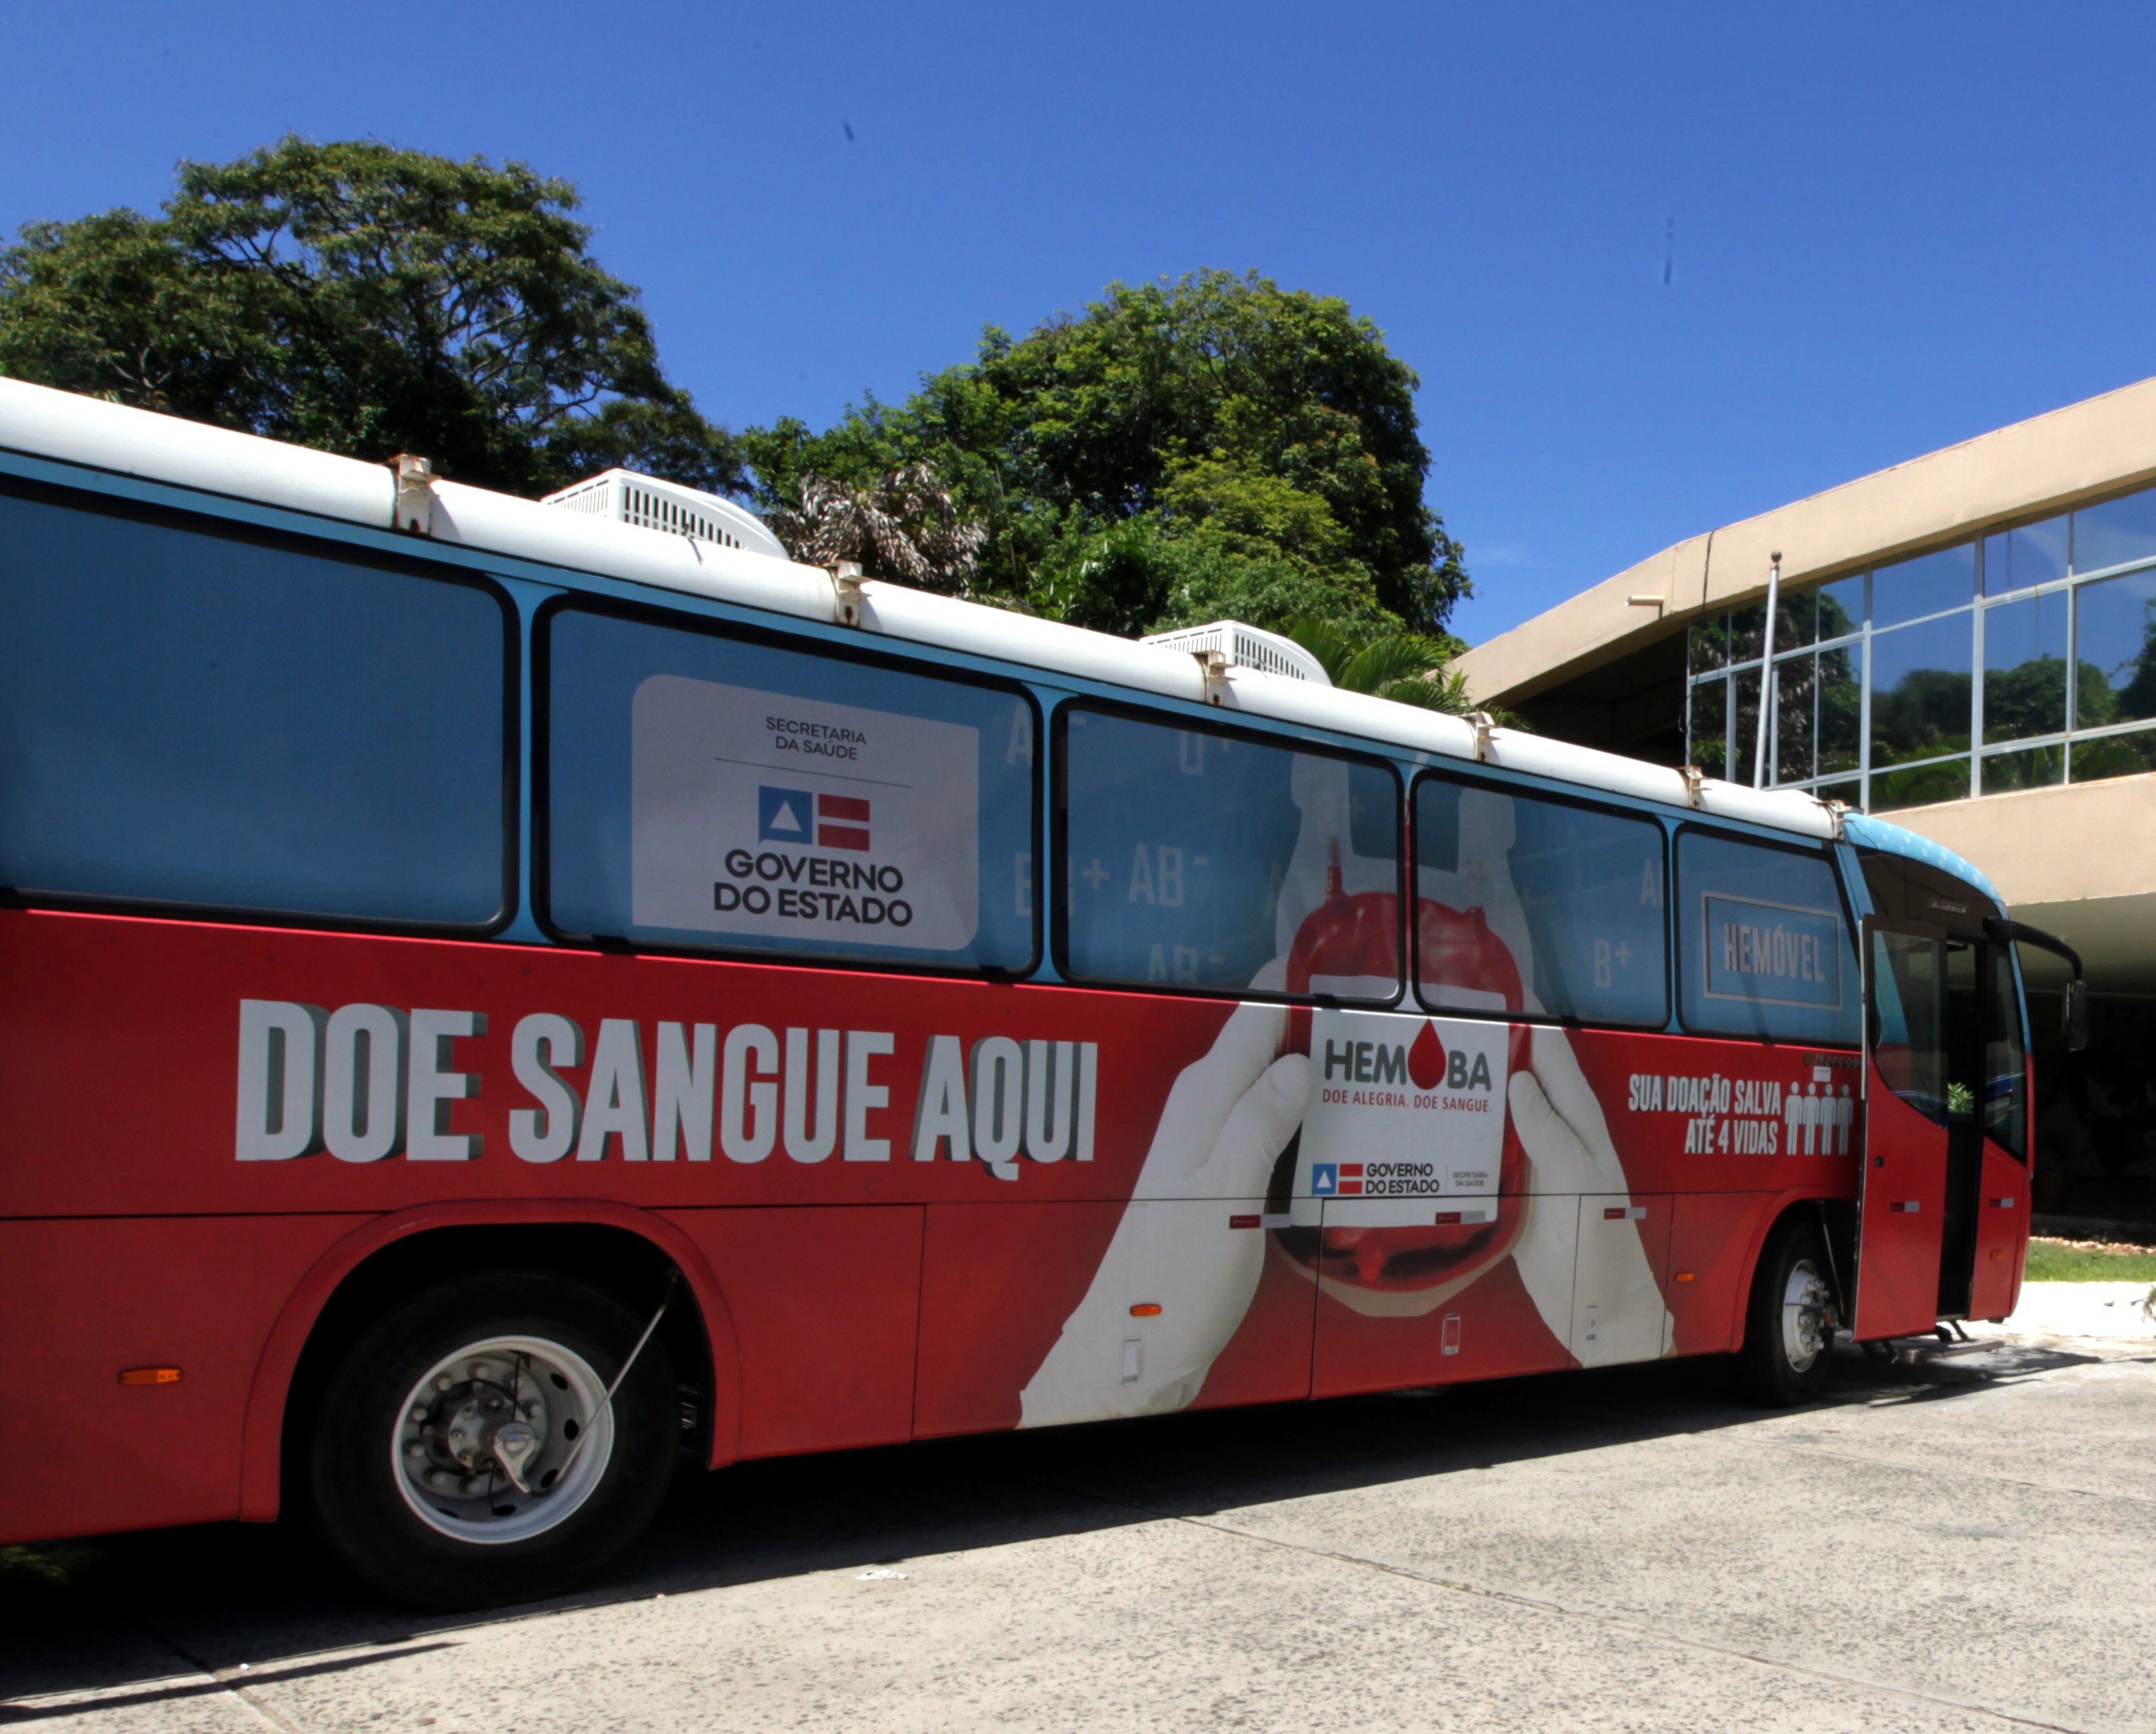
(1426, 1058)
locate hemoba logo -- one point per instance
(369, 1082)
(1426, 1062)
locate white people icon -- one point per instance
(1817, 1124)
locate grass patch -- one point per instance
(52, 1563)
(2090, 1261)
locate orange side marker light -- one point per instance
(1686, 1275)
(1146, 1310)
(149, 1375)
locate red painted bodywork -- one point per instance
(846, 1302)
(1904, 1215)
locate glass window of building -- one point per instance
(1796, 683)
(1796, 620)
(1920, 785)
(1983, 667)
(1930, 584)
(1748, 633)
(2024, 667)
(1840, 742)
(1842, 609)
(1710, 726)
(2115, 640)
(2030, 767)
(1920, 691)
(2113, 756)
(2115, 532)
(1744, 722)
(2019, 559)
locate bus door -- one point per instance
(1985, 1106)
(1967, 1018)
(1900, 1211)
(1998, 1198)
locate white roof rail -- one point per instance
(627, 497)
(1245, 647)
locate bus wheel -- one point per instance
(465, 1455)
(1789, 1329)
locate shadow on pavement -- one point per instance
(100, 1615)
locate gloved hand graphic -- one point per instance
(1227, 1119)
(1568, 1145)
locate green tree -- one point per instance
(1265, 439)
(366, 300)
(1408, 668)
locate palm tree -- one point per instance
(902, 527)
(1408, 668)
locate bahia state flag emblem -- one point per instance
(1336, 1180)
(794, 815)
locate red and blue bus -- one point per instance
(494, 1001)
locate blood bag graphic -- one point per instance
(1406, 1245)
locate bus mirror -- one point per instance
(2076, 1030)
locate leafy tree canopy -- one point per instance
(1182, 449)
(366, 300)
(1407, 667)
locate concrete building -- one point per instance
(1967, 640)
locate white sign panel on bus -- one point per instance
(758, 814)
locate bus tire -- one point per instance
(1788, 1331)
(444, 1462)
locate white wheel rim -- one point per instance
(1805, 1302)
(442, 1442)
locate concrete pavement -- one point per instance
(1964, 1544)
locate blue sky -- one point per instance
(1896, 226)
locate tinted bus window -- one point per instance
(707, 791)
(2005, 1060)
(196, 719)
(1218, 862)
(1539, 905)
(1763, 943)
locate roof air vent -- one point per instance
(1245, 647)
(622, 496)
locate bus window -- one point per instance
(1216, 861)
(219, 722)
(1763, 942)
(2006, 1062)
(1574, 896)
(707, 791)
(1909, 1037)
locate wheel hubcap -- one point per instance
(1807, 1315)
(502, 1441)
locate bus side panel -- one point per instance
(997, 1281)
(2002, 1235)
(1271, 1357)
(1488, 1329)
(824, 1300)
(1711, 1240)
(86, 1299)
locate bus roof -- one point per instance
(69, 429)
